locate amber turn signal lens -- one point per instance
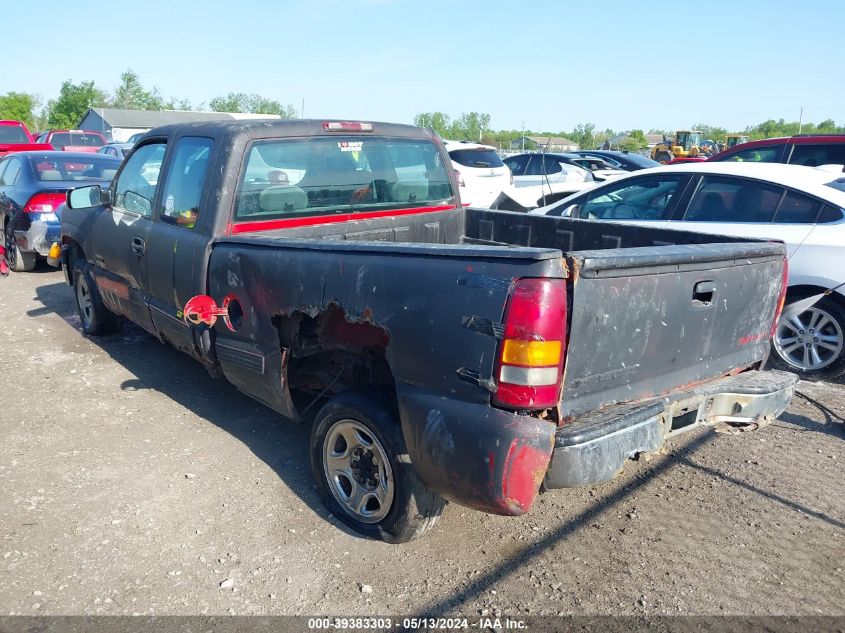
(531, 353)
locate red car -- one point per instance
(14, 137)
(809, 150)
(74, 140)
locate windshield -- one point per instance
(476, 158)
(77, 139)
(320, 176)
(12, 134)
(96, 167)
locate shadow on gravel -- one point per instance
(281, 444)
(769, 495)
(834, 423)
(528, 555)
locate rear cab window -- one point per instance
(324, 176)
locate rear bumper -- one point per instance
(595, 448)
(38, 238)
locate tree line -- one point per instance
(74, 99)
(476, 127)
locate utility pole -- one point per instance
(800, 119)
(302, 112)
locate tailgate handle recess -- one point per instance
(138, 245)
(702, 293)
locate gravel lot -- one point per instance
(131, 482)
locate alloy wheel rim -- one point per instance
(809, 341)
(358, 471)
(11, 246)
(83, 300)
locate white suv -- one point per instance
(482, 175)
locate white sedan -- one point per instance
(802, 206)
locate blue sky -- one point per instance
(553, 65)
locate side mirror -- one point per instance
(87, 197)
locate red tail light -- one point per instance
(781, 297)
(530, 364)
(347, 126)
(44, 202)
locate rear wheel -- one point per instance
(18, 261)
(364, 474)
(812, 344)
(96, 318)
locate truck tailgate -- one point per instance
(647, 321)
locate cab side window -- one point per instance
(183, 185)
(768, 154)
(134, 190)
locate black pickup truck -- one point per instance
(329, 270)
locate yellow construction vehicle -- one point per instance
(686, 144)
(735, 139)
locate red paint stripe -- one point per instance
(292, 223)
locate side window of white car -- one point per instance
(725, 199)
(796, 208)
(645, 199)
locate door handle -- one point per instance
(138, 245)
(702, 293)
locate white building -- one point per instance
(118, 125)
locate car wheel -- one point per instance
(364, 474)
(96, 318)
(18, 261)
(812, 344)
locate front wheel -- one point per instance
(96, 318)
(812, 344)
(364, 474)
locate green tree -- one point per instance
(251, 103)
(711, 132)
(437, 121)
(634, 141)
(584, 135)
(470, 126)
(19, 106)
(132, 95)
(67, 110)
(178, 104)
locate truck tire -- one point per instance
(96, 318)
(812, 344)
(19, 262)
(363, 472)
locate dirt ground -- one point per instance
(133, 483)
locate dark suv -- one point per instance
(807, 150)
